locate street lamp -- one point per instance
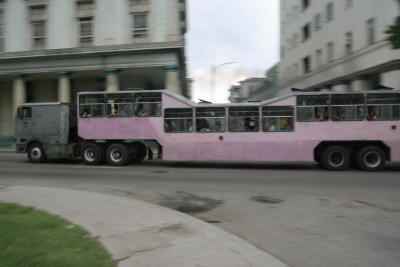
(213, 73)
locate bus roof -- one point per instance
(266, 102)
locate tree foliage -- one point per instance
(394, 34)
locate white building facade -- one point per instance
(337, 45)
(52, 49)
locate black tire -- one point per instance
(371, 158)
(336, 158)
(138, 152)
(92, 154)
(36, 153)
(118, 155)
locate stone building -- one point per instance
(338, 45)
(52, 49)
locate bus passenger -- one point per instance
(142, 110)
(371, 114)
(86, 113)
(202, 125)
(319, 115)
(337, 113)
(250, 124)
(168, 126)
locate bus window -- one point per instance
(178, 120)
(383, 107)
(210, 119)
(148, 104)
(91, 105)
(278, 119)
(313, 108)
(244, 119)
(119, 104)
(348, 107)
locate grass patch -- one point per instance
(34, 238)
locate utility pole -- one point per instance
(214, 69)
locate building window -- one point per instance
(85, 31)
(348, 3)
(306, 32)
(329, 12)
(38, 19)
(85, 14)
(296, 70)
(139, 2)
(317, 22)
(307, 64)
(349, 43)
(140, 26)
(318, 58)
(1, 31)
(371, 39)
(305, 4)
(295, 12)
(295, 40)
(330, 52)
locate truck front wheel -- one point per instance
(36, 153)
(92, 154)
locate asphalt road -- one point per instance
(303, 215)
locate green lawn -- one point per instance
(33, 238)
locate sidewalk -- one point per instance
(142, 234)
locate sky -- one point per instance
(219, 31)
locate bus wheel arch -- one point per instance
(92, 153)
(137, 151)
(36, 152)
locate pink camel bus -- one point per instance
(333, 129)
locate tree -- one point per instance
(394, 34)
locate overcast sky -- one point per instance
(220, 31)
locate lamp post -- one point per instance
(214, 69)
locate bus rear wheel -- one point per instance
(138, 152)
(371, 158)
(336, 158)
(92, 154)
(36, 153)
(117, 155)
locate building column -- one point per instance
(64, 87)
(112, 80)
(360, 85)
(172, 82)
(340, 87)
(391, 79)
(19, 91)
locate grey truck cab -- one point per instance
(44, 131)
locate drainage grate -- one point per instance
(264, 199)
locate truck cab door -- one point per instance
(24, 122)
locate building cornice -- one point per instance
(84, 51)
